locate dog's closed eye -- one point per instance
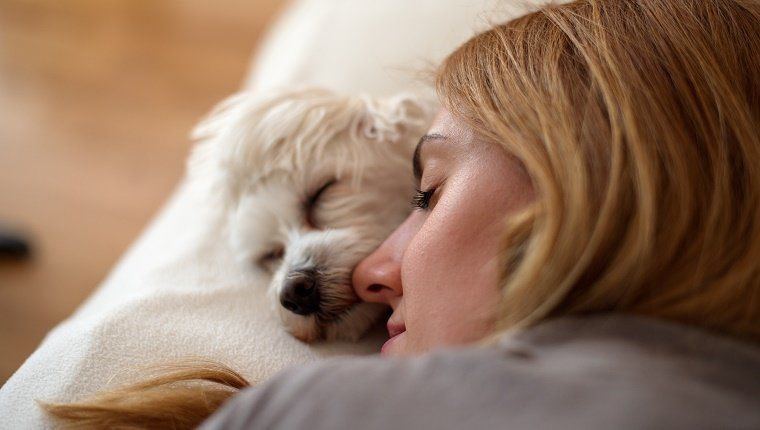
(312, 201)
(271, 259)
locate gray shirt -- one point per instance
(602, 372)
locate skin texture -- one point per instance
(438, 271)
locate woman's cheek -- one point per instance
(428, 297)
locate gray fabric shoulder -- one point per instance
(367, 393)
(601, 372)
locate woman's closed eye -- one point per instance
(421, 199)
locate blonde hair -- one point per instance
(180, 395)
(638, 122)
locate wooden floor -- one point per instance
(96, 101)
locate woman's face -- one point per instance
(438, 270)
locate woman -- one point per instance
(588, 211)
(637, 125)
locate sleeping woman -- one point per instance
(584, 250)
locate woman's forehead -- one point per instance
(447, 124)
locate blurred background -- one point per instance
(97, 98)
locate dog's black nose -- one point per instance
(300, 294)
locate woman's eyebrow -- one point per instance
(416, 163)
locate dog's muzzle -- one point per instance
(300, 292)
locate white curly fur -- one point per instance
(267, 155)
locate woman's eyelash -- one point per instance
(421, 199)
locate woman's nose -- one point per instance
(377, 278)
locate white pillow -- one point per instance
(374, 47)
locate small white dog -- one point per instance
(313, 183)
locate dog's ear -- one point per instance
(206, 163)
(390, 126)
(391, 119)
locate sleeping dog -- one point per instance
(312, 183)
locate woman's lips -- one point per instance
(395, 329)
(394, 333)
